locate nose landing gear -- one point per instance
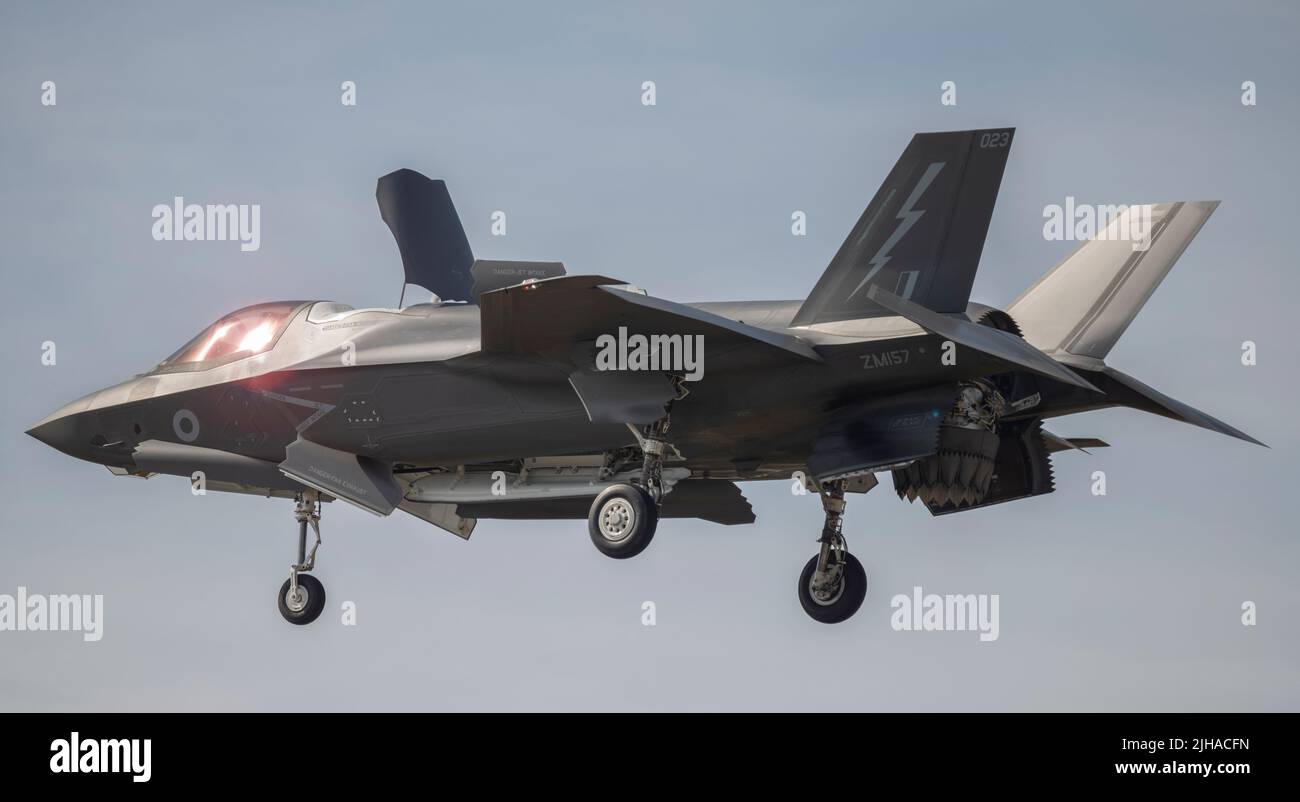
(833, 584)
(302, 596)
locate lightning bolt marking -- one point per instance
(907, 217)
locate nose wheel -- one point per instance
(302, 596)
(833, 584)
(304, 603)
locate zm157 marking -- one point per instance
(886, 359)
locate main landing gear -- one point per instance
(622, 521)
(302, 596)
(623, 517)
(833, 584)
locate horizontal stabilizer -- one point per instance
(998, 344)
(1133, 393)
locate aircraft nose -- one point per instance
(82, 429)
(64, 433)
(60, 432)
(67, 429)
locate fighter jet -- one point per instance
(520, 392)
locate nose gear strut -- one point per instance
(302, 597)
(306, 511)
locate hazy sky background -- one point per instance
(1128, 601)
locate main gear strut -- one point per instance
(655, 443)
(830, 566)
(834, 583)
(623, 518)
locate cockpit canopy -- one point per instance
(248, 331)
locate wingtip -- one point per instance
(1237, 434)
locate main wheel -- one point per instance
(307, 605)
(838, 603)
(622, 521)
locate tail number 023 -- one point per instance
(995, 139)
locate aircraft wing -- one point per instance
(560, 320)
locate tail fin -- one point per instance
(1087, 301)
(922, 234)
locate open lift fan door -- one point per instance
(435, 251)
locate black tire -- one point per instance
(315, 604)
(853, 589)
(622, 521)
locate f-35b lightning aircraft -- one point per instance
(499, 399)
